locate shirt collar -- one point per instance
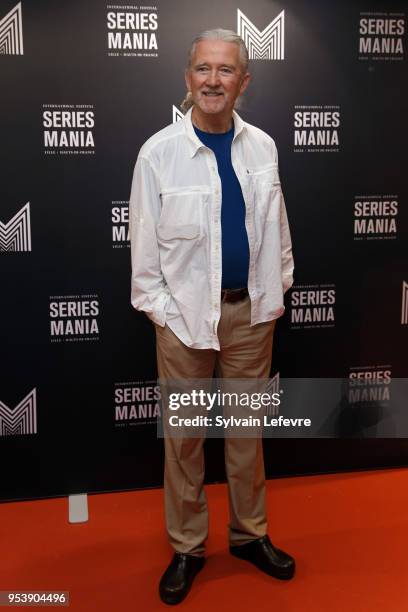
(195, 143)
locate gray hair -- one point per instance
(216, 34)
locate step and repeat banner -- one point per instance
(84, 84)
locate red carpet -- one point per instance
(348, 533)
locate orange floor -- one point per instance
(348, 533)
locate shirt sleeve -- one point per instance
(286, 249)
(286, 242)
(149, 292)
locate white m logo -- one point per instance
(404, 307)
(177, 114)
(11, 32)
(268, 44)
(20, 420)
(16, 234)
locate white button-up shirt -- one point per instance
(175, 230)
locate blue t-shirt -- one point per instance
(234, 239)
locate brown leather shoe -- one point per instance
(178, 577)
(263, 554)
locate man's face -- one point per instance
(215, 77)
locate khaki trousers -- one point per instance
(246, 352)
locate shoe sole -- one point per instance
(280, 575)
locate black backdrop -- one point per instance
(83, 86)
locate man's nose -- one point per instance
(213, 79)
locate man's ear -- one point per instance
(187, 79)
(245, 82)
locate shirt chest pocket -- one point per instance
(265, 191)
(184, 210)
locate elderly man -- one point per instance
(211, 261)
